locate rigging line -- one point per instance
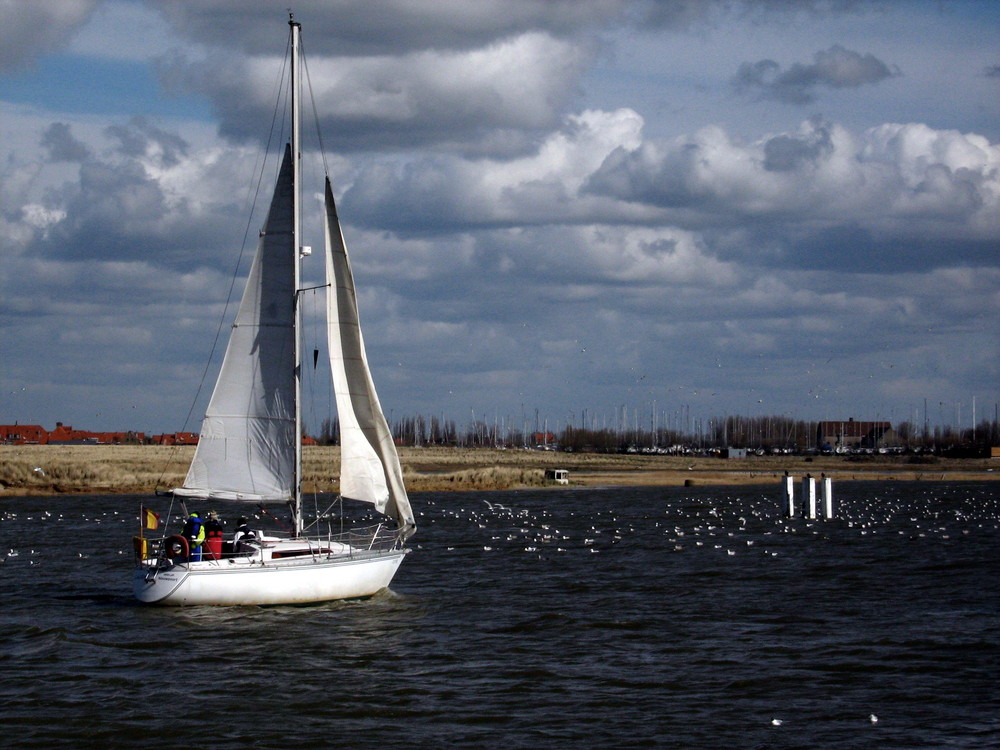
(252, 201)
(312, 100)
(325, 514)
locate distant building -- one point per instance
(543, 438)
(176, 438)
(733, 453)
(852, 435)
(23, 434)
(64, 435)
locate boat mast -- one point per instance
(296, 29)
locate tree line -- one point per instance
(769, 434)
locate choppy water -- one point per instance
(681, 617)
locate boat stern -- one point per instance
(153, 584)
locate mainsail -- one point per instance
(247, 446)
(369, 465)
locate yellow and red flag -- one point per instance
(150, 520)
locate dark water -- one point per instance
(682, 617)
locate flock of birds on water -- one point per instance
(751, 523)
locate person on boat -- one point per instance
(194, 532)
(243, 531)
(213, 536)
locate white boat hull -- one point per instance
(245, 582)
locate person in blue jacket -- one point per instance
(194, 532)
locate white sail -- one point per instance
(369, 464)
(250, 447)
(247, 446)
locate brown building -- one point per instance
(852, 435)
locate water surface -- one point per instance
(640, 617)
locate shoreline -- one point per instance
(125, 469)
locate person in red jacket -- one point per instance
(213, 536)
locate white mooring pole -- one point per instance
(827, 497)
(788, 494)
(809, 495)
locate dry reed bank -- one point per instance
(53, 469)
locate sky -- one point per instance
(587, 212)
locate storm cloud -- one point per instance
(835, 68)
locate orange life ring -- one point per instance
(176, 547)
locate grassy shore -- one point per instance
(53, 469)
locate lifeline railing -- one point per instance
(376, 538)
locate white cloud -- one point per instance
(491, 97)
(892, 184)
(519, 82)
(436, 191)
(644, 256)
(41, 217)
(124, 30)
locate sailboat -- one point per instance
(250, 446)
